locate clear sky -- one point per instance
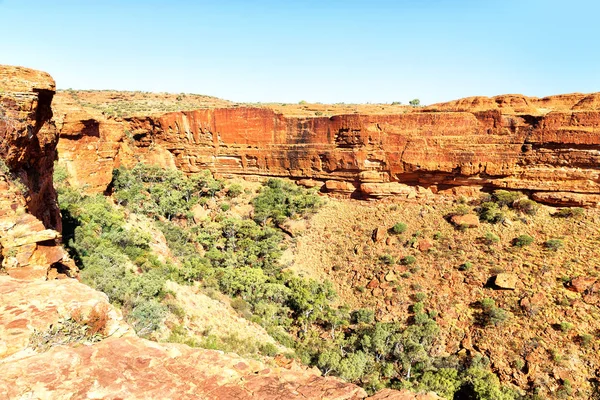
(313, 50)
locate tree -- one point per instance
(415, 102)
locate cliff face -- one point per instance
(29, 217)
(28, 138)
(549, 146)
(62, 339)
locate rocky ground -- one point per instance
(60, 339)
(551, 334)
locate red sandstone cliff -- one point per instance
(29, 216)
(28, 138)
(549, 146)
(41, 354)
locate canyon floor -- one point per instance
(158, 210)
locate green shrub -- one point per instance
(409, 260)
(147, 317)
(492, 314)
(526, 206)
(279, 200)
(553, 244)
(420, 296)
(387, 259)
(224, 207)
(490, 238)
(574, 212)
(522, 241)
(506, 198)
(268, 349)
(465, 266)
(363, 316)
(489, 212)
(399, 228)
(462, 209)
(585, 339)
(444, 382)
(566, 326)
(234, 190)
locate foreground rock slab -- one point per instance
(124, 366)
(135, 368)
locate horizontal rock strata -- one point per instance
(549, 145)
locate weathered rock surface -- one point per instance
(465, 221)
(28, 138)
(29, 217)
(27, 306)
(506, 281)
(544, 145)
(120, 365)
(125, 366)
(582, 283)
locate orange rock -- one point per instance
(27, 138)
(379, 234)
(465, 221)
(508, 141)
(425, 245)
(506, 281)
(374, 283)
(582, 283)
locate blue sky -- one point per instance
(320, 51)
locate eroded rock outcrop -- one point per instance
(121, 365)
(29, 217)
(60, 339)
(543, 145)
(28, 137)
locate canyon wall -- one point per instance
(548, 146)
(29, 217)
(28, 137)
(43, 313)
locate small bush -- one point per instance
(418, 307)
(522, 241)
(408, 260)
(506, 198)
(387, 259)
(466, 266)
(553, 244)
(490, 212)
(490, 238)
(225, 207)
(566, 326)
(234, 190)
(574, 212)
(585, 339)
(420, 296)
(399, 228)
(526, 206)
(462, 209)
(492, 314)
(363, 316)
(268, 349)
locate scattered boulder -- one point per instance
(390, 276)
(310, 183)
(465, 221)
(373, 284)
(379, 234)
(199, 213)
(339, 186)
(582, 283)
(425, 245)
(506, 281)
